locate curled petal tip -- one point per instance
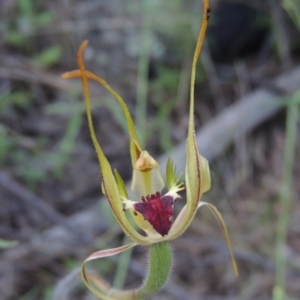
(84, 44)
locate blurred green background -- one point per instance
(49, 177)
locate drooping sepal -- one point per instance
(95, 284)
(160, 263)
(220, 219)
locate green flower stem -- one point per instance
(285, 197)
(160, 263)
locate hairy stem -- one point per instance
(160, 263)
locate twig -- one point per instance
(238, 119)
(29, 71)
(39, 205)
(65, 286)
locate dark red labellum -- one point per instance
(158, 211)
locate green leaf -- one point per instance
(15, 38)
(7, 244)
(43, 19)
(49, 56)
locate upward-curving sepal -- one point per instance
(197, 175)
(135, 147)
(109, 182)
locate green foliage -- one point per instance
(32, 159)
(5, 145)
(72, 263)
(32, 294)
(178, 39)
(7, 244)
(29, 18)
(293, 9)
(18, 98)
(38, 292)
(49, 56)
(164, 90)
(63, 155)
(285, 196)
(123, 266)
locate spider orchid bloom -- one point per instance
(152, 209)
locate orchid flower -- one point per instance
(151, 208)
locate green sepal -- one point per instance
(109, 183)
(170, 173)
(121, 185)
